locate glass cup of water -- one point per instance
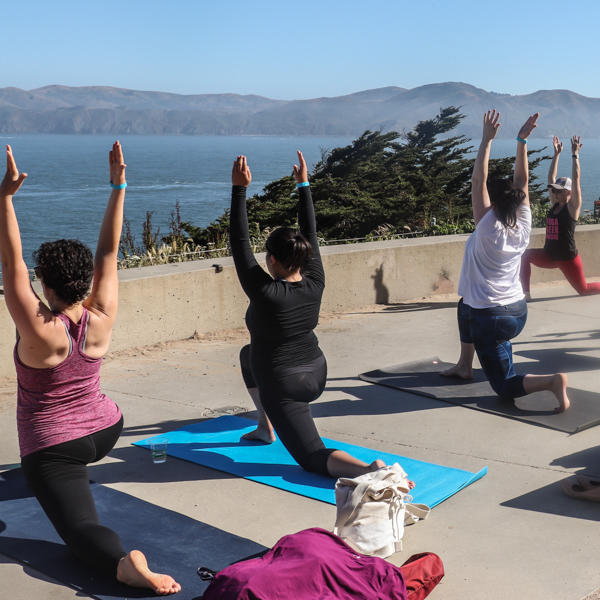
(159, 451)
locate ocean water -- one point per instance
(67, 188)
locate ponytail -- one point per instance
(505, 200)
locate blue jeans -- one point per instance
(490, 331)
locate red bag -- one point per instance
(422, 572)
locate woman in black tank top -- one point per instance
(559, 251)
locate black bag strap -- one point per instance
(206, 574)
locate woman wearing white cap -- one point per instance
(559, 251)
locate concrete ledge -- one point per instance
(171, 302)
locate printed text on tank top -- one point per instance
(552, 222)
(560, 233)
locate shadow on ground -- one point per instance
(400, 307)
(588, 460)
(179, 544)
(551, 499)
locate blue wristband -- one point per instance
(302, 184)
(520, 139)
(122, 186)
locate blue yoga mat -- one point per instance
(216, 444)
(173, 543)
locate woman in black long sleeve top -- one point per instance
(283, 367)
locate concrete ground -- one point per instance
(512, 534)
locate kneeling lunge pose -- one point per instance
(283, 367)
(64, 421)
(493, 309)
(559, 251)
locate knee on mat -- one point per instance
(316, 462)
(509, 389)
(587, 291)
(501, 389)
(95, 544)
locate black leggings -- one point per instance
(58, 476)
(284, 394)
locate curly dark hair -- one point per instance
(67, 267)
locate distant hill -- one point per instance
(61, 109)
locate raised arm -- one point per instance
(575, 203)
(31, 316)
(480, 198)
(306, 219)
(521, 174)
(104, 298)
(252, 277)
(552, 171)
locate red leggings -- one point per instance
(572, 270)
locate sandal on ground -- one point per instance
(586, 482)
(572, 487)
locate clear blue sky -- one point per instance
(283, 49)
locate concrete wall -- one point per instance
(171, 302)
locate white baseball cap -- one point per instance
(562, 183)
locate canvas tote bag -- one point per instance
(373, 509)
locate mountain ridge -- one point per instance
(113, 110)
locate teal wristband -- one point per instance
(122, 186)
(520, 139)
(302, 184)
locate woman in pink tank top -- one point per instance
(64, 421)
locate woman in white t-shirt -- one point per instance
(493, 309)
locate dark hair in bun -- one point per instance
(289, 247)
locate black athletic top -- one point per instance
(560, 234)
(282, 314)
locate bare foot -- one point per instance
(133, 570)
(559, 389)
(376, 464)
(260, 434)
(458, 370)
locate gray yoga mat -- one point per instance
(422, 377)
(173, 543)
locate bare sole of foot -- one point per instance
(260, 435)
(133, 570)
(559, 389)
(378, 464)
(458, 371)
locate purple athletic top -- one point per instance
(62, 403)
